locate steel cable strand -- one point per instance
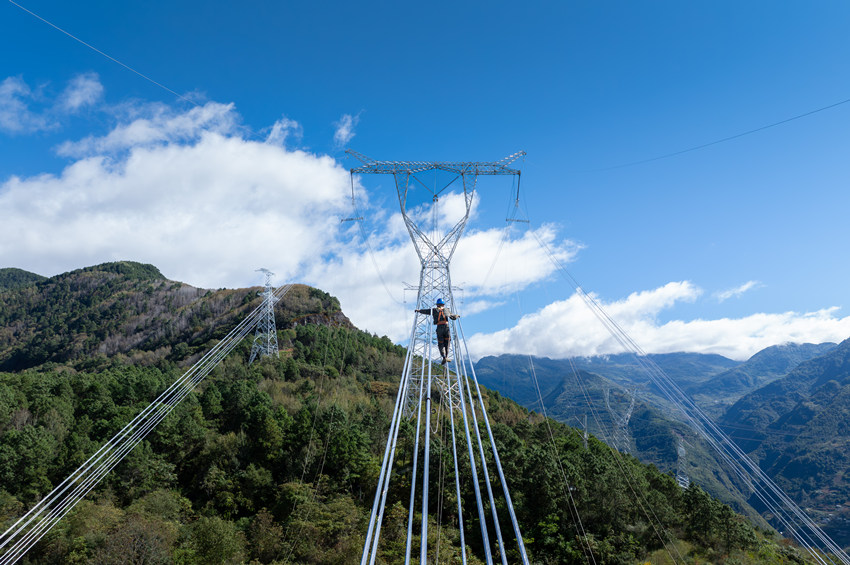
(86, 467)
(761, 485)
(484, 470)
(426, 466)
(482, 517)
(643, 504)
(116, 448)
(773, 488)
(572, 505)
(413, 475)
(736, 464)
(322, 465)
(403, 391)
(388, 475)
(389, 451)
(457, 474)
(619, 334)
(172, 394)
(496, 458)
(441, 479)
(392, 434)
(358, 214)
(737, 459)
(91, 477)
(641, 500)
(316, 486)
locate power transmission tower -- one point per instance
(584, 433)
(621, 437)
(265, 338)
(681, 464)
(420, 186)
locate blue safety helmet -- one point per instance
(440, 302)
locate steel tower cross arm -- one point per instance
(371, 166)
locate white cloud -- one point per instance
(282, 129)
(206, 207)
(27, 111)
(16, 117)
(476, 306)
(569, 328)
(369, 279)
(492, 262)
(345, 129)
(736, 292)
(83, 90)
(161, 125)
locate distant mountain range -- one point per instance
(798, 429)
(788, 406)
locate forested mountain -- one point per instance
(277, 462)
(769, 364)
(11, 278)
(128, 309)
(798, 429)
(599, 391)
(652, 433)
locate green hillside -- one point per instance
(798, 429)
(11, 278)
(277, 462)
(721, 391)
(653, 432)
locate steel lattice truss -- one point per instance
(265, 338)
(425, 384)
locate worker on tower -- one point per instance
(441, 317)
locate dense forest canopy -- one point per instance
(277, 462)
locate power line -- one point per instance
(110, 57)
(718, 141)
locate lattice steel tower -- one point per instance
(453, 387)
(265, 338)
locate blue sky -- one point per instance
(725, 249)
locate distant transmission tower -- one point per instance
(621, 423)
(419, 186)
(265, 339)
(681, 464)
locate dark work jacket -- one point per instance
(435, 313)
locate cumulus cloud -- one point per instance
(282, 129)
(16, 116)
(83, 90)
(370, 273)
(736, 292)
(206, 207)
(345, 129)
(569, 328)
(497, 262)
(24, 110)
(161, 125)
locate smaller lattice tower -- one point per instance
(265, 339)
(584, 433)
(621, 438)
(681, 474)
